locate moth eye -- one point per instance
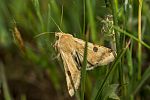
(57, 37)
(110, 50)
(95, 49)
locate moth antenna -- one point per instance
(62, 12)
(42, 34)
(56, 24)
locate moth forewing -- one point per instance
(65, 46)
(97, 55)
(71, 72)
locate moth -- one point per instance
(71, 50)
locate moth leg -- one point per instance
(56, 57)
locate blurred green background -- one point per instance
(30, 70)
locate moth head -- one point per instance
(58, 35)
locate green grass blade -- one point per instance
(37, 8)
(7, 95)
(114, 4)
(130, 62)
(114, 65)
(119, 39)
(140, 38)
(83, 72)
(84, 16)
(91, 19)
(131, 36)
(145, 76)
(48, 17)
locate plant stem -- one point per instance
(139, 37)
(7, 95)
(83, 69)
(91, 19)
(132, 36)
(119, 41)
(113, 66)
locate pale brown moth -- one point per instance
(72, 51)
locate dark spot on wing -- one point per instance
(68, 72)
(103, 56)
(95, 49)
(79, 61)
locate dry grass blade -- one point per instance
(18, 39)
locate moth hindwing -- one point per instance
(72, 51)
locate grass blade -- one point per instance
(112, 68)
(131, 36)
(146, 75)
(7, 95)
(37, 8)
(140, 38)
(83, 72)
(91, 19)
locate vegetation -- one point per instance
(30, 70)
